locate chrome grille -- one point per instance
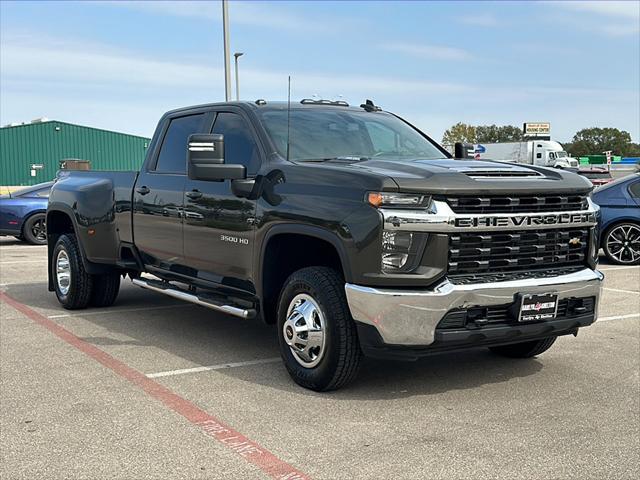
(532, 203)
(494, 252)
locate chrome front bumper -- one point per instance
(410, 317)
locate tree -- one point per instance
(460, 132)
(498, 134)
(633, 150)
(595, 141)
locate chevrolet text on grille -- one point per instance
(521, 220)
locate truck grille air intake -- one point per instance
(537, 203)
(490, 253)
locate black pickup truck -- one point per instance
(347, 227)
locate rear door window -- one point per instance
(634, 189)
(173, 153)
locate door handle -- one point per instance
(143, 190)
(194, 194)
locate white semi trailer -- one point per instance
(546, 153)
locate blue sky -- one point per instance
(120, 65)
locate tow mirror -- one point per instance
(205, 158)
(463, 150)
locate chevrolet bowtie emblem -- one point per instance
(574, 241)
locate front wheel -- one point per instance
(73, 285)
(317, 336)
(524, 349)
(621, 244)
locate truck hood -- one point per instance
(472, 177)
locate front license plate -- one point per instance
(538, 307)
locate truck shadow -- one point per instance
(201, 337)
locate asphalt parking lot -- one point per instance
(155, 388)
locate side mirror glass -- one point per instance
(205, 159)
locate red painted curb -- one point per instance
(210, 425)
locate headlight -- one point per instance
(401, 250)
(398, 200)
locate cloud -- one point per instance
(256, 14)
(96, 84)
(610, 18)
(619, 30)
(480, 20)
(74, 62)
(437, 52)
(625, 9)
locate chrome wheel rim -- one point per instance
(304, 330)
(63, 272)
(39, 230)
(623, 243)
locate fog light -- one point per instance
(396, 250)
(394, 261)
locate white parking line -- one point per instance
(606, 269)
(620, 290)
(124, 310)
(618, 317)
(183, 371)
(21, 262)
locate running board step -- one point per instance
(175, 292)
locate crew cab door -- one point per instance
(218, 225)
(158, 197)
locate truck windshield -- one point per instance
(561, 154)
(326, 134)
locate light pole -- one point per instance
(236, 56)
(227, 67)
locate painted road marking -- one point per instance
(620, 290)
(124, 310)
(43, 262)
(210, 425)
(222, 366)
(605, 269)
(618, 317)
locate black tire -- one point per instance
(34, 229)
(76, 293)
(620, 232)
(105, 289)
(340, 361)
(524, 349)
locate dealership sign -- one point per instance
(537, 129)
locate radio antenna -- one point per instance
(288, 117)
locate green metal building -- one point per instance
(32, 153)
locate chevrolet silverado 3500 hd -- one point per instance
(348, 228)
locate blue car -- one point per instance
(22, 213)
(620, 223)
